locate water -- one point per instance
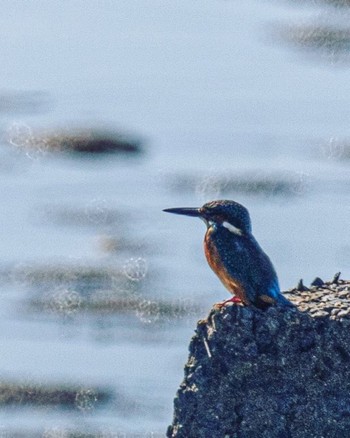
(216, 94)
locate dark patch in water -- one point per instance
(60, 432)
(323, 38)
(334, 3)
(95, 213)
(63, 396)
(75, 141)
(109, 302)
(68, 291)
(92, 142)
(111, 244)
(66, 286)
(53, 275)
(251, 183)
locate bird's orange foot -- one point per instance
(234, 300)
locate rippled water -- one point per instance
(99, 288)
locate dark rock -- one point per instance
(301, 287)
(336, 278)
(276, 373)
(317, 282)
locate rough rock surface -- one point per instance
(275, 373)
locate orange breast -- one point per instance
(217, 265)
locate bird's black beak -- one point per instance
(194, 212)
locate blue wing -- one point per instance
(274, 289)
(245, 261)
(259, 275)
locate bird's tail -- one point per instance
(282, 301)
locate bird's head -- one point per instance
(229, 214)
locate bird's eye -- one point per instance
(219, 219)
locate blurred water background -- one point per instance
(100, 290)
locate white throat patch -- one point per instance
(232, 228)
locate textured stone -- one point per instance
(276, 373)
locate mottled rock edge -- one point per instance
(275, 373)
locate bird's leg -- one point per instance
(234, 299)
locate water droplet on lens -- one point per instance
(136, 269)
(148, 311)
(86, 399)
(65, 302)
(21, 135)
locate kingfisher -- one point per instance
(235, 256)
